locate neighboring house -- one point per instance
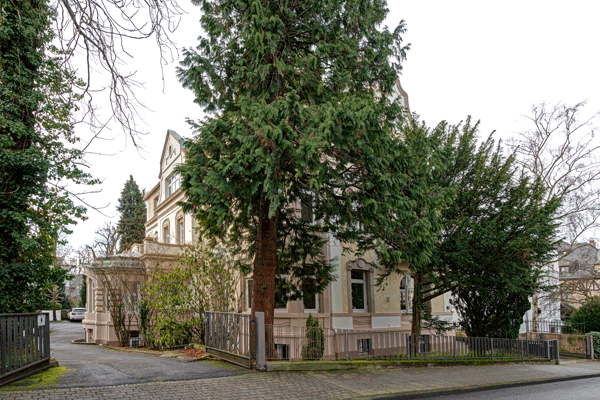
(579, 275)
(352, 301)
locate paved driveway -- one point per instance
(89, 365)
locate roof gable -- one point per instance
(178, 139)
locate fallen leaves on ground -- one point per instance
(193, 352)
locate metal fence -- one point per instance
(227, 335)
(554, 326)
(292, 343)
(24, 341)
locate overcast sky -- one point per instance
(491, 60)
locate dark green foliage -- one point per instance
(588, 314)
(496, 234)
(144, 311)
(36, 132)
(83, 292)
(133, 216)
(299, 96)
(315, 340)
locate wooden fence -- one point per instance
(24, 343)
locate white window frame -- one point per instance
(180, 226)
(172, 184)
(406, 291)
(312, 310)
(166, 234)
(365, 282)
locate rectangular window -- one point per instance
(172, 184)
(155, 202)
(364, 347)
(311, 302)
(166, 238)
(180, 232)
(406, 294)
(358, 282)
(283, 351)
(248, 293)
(307, 208)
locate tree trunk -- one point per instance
(416, 306)
(534, 311)
(265, 264)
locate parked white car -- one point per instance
(76, 314)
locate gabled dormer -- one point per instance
(172, 155)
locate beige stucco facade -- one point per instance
(167, 227)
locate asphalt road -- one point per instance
(89, 365)
(582, 389)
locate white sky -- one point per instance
(491, 60)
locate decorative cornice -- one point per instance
(360, 264)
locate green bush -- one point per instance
(172, 334)
(589, 314)
(315, 340)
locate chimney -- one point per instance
(593, 243)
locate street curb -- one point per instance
(82, 341)
(482, 388)
(307, 366)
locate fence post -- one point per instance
(407, 346)
(558, 353)
(454, 341)
(548, 350)
(47, 338)
(492, 341)
(346, 344)
(259, 317)
(206, 327)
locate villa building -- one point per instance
(352, 301)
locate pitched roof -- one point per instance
(162, 156)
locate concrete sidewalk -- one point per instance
(327, 385)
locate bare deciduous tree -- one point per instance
(106, 241)
(97, 33)
(562, 150)
(55, 295)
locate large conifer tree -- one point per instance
(133, 215)
(36, 156)
(301, 118)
